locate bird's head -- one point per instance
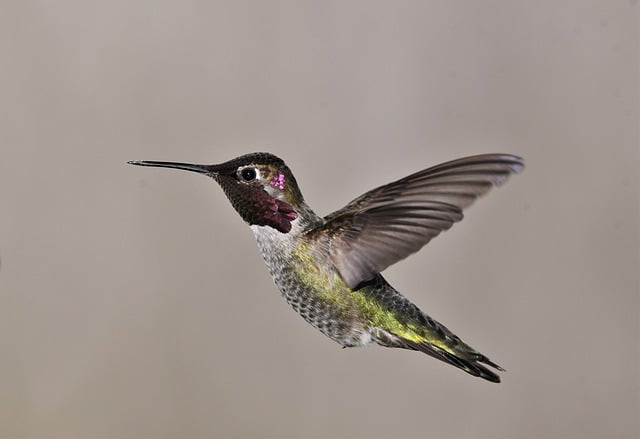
(260, 187)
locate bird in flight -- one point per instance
(328, 268)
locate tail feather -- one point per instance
(470, 365)
(403, 325)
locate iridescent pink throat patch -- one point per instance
(278, 181)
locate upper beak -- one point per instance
(201, 169)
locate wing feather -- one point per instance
(391, 222)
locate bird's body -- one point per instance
(328, 269)
(312, 288)
(374, 312)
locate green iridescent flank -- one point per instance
(383, 318)
(331, 290)
(330, 287)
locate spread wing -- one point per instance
(391, 222)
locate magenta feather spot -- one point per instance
(278, 181)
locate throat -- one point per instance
(272, 240)
(277, 245)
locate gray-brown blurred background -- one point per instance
(133, 302)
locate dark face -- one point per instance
(262, 190)
(260, 186)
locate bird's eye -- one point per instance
(249, 174)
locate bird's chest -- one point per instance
(299, 269)
(307, 280)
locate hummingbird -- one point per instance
(328, 268)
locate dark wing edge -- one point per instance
(391, 222)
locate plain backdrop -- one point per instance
(134, 304)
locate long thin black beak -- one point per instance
(201, 169)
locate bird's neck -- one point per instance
(275, 244)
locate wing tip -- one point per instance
(516, 163)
